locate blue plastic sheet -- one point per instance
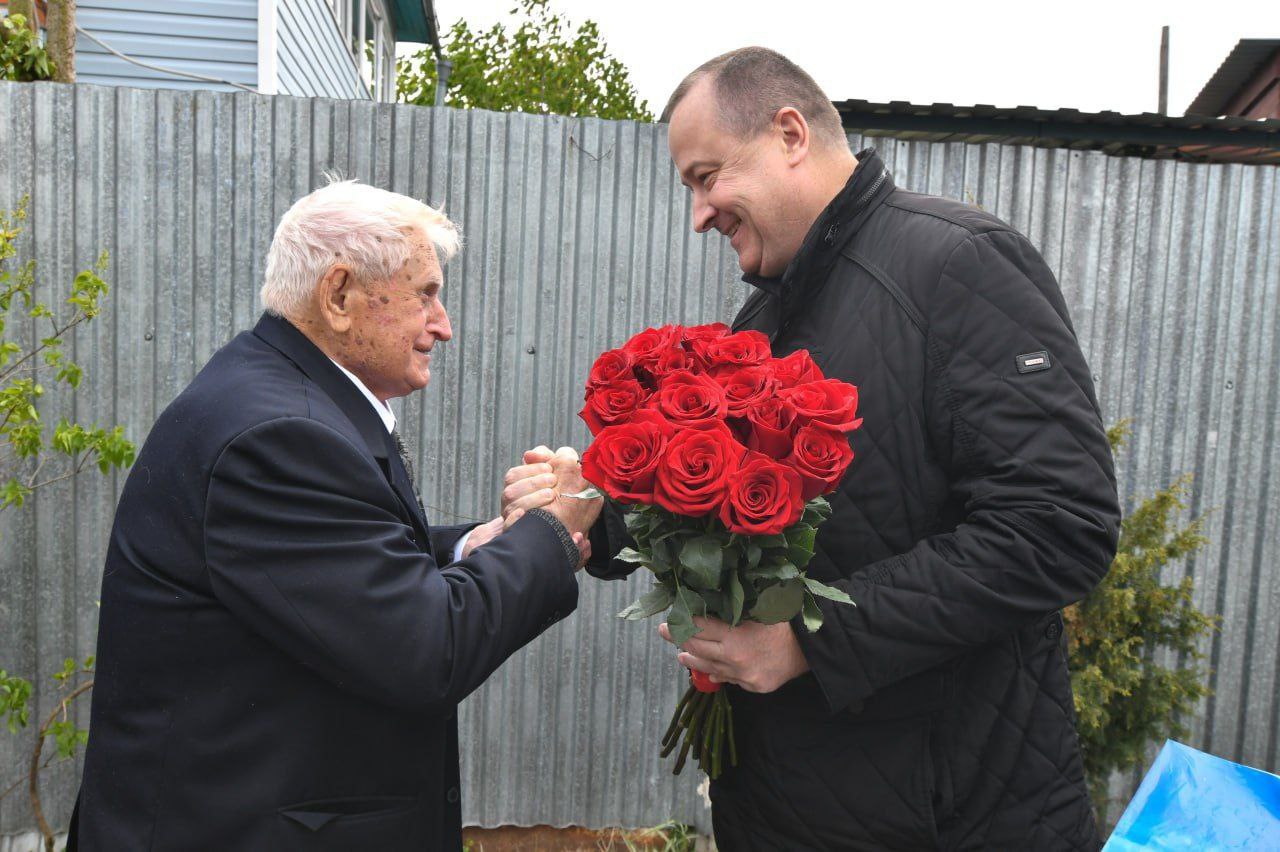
(1195, 801)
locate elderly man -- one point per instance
(937, 714)
(284, 638)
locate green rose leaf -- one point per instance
(701, 559)
(736, 598)
(680, 619)
(650, 603)
(775, 568)
(822, 590)
(816, 511)
(779, 603)
(800, 544)
(812, 615)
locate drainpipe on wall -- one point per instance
(443, 67)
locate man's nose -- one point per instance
(704, 214)
(439, 325)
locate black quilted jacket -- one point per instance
(981, 500)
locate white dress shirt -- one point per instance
(389, 420)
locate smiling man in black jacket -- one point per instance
(284, 639)
(937, 714)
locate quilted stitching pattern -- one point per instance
(979, 503)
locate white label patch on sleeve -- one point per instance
(1033, 362)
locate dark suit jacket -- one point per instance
(280, 652)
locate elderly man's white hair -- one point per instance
(365, 227)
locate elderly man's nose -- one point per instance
(439, 325)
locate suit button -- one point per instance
(1054, 630)
(452, 795)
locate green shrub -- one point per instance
(22, 56)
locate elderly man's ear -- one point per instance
(336, 291)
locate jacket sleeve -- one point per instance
(1027, 455)
(304, 545)
(608, 536)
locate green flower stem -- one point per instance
(684, 752)
(708, 733)
(695, 723)
(673, 729)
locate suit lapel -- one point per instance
(281, 335)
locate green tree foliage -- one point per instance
(1125, 699)
(541, 67)
(22, 56)
(33, 338)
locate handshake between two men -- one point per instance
(550, 481)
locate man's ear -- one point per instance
(793, 134)
(336, 294)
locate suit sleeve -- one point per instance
(1027, 455)
(303, 543)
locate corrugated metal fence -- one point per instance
(578, 234)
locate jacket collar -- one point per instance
(866, 188)
(283, 336)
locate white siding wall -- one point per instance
(312, 59)
(215, 38)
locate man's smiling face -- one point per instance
(740, 186)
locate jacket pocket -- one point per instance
(356, 822)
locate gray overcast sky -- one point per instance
(1086, 54)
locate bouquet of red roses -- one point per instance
(722, 453)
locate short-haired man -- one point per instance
(937, 714)
(283, 638)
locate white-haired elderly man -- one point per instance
(283, 638)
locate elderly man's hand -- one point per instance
(482, 534)
(531, 485)
(757, 657)
(539, 484)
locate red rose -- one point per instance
(830, 402)
(773, 425)
(687, 399)
(744, 349)
(694, 471)
(612, 365)
(612, 403)
(746, 387)
(820, 456)
(710, 331)
(645, 347)
(671, 361)
(764, 497)
(623, 459)
(796, 369)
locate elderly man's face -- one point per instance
(394, 324)
(740, 187)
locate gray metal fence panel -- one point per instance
(577, 233)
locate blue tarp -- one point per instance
(1195, 801)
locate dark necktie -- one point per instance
(408, 470)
